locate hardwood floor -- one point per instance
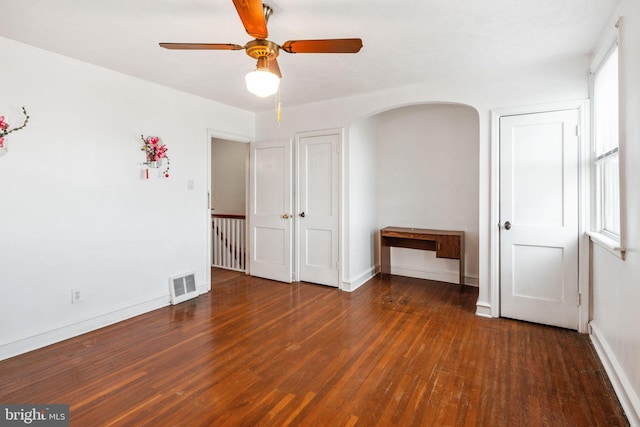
(396, 352)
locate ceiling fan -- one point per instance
(265, 79)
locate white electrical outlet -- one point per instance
(190, 184)
(76, 296)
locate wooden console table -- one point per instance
(446, 244)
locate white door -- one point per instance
(539, 218)
(318, 214)
(270, 213)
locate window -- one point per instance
(605, 127)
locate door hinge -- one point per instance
(577, 130)
(579, 300)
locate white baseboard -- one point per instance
(359, 281)
(45, 338)
(626, 395)
(204, 288)
(483, 309)
(440, 276)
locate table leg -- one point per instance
(385, 258)
(461, 260)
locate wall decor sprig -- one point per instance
(6, 130)
(156, 152)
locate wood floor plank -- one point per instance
(396, 352)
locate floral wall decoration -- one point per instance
(156, 153)
(5, 130)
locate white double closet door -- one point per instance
(294, 208)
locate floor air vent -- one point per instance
(183, 288)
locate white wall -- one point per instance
(616, 282)
(428, 178)
(76, 211)
(549, 82)
(360, 201)
(228, 176)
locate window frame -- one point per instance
(598, 230)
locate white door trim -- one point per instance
(212, 133)
(296, 192)
(584, 203)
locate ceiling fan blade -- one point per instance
(252, 17)
(323, 46)
(202, 46)
(272, 65)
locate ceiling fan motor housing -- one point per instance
(262, 48)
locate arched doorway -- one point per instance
(413, 166)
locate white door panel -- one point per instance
(539, 200)
(270, 218)
(318, 213)
(270, 244)
(529, 281)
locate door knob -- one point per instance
(302, 215)
(507, 225)
(286, 216)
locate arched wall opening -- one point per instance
(413, 166)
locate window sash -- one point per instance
(605, 95)
(608, 198)
(606, 145)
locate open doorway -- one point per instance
(229, 171)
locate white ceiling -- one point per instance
(405, 41)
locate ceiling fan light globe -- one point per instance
(262, 83)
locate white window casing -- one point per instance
(607, 210)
